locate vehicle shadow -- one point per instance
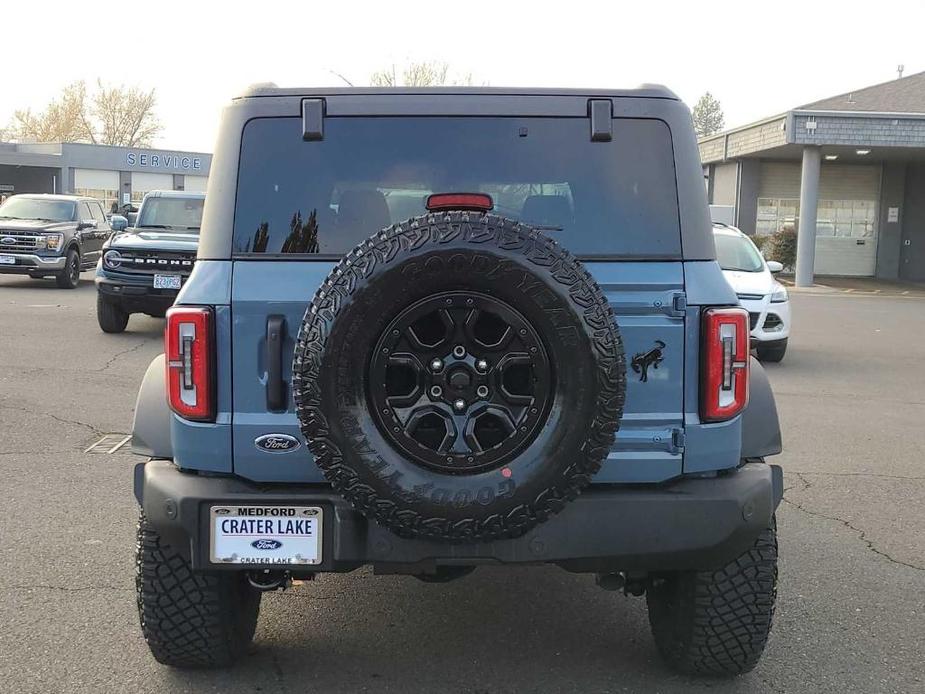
(498, 630)
(25, 282)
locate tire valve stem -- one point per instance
(481, 365)
(460, 404)
(436, 365)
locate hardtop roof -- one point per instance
(53, 196)
(268, 89)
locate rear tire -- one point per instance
(190, 619)
(112, 318)
(717, 622)
(69, 278)
(771, 351)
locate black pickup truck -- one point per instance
(51, 235)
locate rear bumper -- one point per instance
(687, 524)
(31, 264)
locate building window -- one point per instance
(106, 197)
(838, 218)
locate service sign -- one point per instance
(166, 162)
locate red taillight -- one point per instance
(460, 201)
(189, 347)
(725, 354)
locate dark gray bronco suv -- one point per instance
(434, 329)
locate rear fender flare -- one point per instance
(151, 427)
(760, 425)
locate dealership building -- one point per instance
(847, 172)
(119, 175)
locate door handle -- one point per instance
(276, 386)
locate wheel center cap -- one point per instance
(460, 380)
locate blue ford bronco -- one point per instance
(433, 329)
(144, 266)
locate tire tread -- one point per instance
(477, 230)
(718, 622)
(190, 619)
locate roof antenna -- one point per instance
(337, 74)
(899, 71)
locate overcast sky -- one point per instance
(758, 59)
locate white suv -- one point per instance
(752, 278)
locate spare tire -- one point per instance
(459, 377)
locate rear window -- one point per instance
(325, 197)
(184, 214)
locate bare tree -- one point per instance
(112, 115)
(424, 74)
(63, 120)
(125, 116)
(708, 116)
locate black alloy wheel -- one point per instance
(459, 377)
(460, 382)
(69, 278)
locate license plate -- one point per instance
(266, 534)
(7, 260)
(166, 281)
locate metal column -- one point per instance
(809, 203)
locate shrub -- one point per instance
(782, 247)
(761, 240)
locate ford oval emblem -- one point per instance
(264, 543)
(7, 240)
(277, 443)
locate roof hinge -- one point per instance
(600, 111)
(312, 119)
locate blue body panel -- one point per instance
(260, 290)
(661, 436)
(707, 446)
(647, 298)
(207, 446)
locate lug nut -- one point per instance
(436, 365)
(436, 391)
(459, 351)
(460, 405)
(482, 391)
(481, 365)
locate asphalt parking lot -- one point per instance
(851, 607)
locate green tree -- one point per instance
(708, 116)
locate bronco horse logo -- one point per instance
(642, 361)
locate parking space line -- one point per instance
(119, 445)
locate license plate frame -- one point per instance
(7, 259)
(167, 281)
(262, 548)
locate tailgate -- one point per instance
(647, 298)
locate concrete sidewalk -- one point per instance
(857, 285)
